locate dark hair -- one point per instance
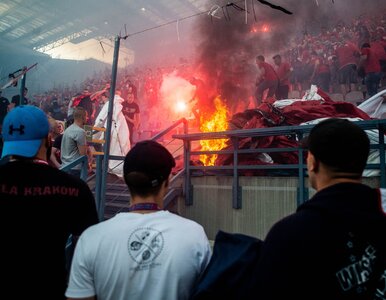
(340, 145)
(260, 57)
(366, 45)
(138, 184)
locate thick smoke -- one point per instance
(175, 93)
(228, 45)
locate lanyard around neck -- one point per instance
(144, 206)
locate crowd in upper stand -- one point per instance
(332, 46)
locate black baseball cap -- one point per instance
(151, 159)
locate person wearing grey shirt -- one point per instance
(74, 143)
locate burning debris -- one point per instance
(215, 123)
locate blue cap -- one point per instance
(24, 128)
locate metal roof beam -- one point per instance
(63, 41)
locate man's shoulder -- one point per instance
(293, 220)
(300, 223)
(73, 129)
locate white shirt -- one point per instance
(139, 256)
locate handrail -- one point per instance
(235, 135)
(279, 130)
(170, 128)
(172, 192)
(83, 160)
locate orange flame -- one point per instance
(217, 122)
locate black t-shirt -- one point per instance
(129, 110)
(3, 108)
(40, 206)
(56, 112)
(16, 100)
(58, 144)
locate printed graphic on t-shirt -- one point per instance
(380, 292)
(359, 272)
(144, 245)
(362, 271)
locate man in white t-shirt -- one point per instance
(147, 253)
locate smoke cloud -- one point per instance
(227, 44)
(175, 93)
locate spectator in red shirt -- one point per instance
(321, 74)
(347, 55)
(283, 71)
(379, 47)
(266, 79)
(370, 63)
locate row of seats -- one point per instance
(354, 97)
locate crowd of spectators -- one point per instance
(329, 59)
(334, 48)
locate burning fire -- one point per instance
(216, 122)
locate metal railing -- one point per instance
(83, 161)
(236, 135)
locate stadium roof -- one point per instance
(44, 25)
